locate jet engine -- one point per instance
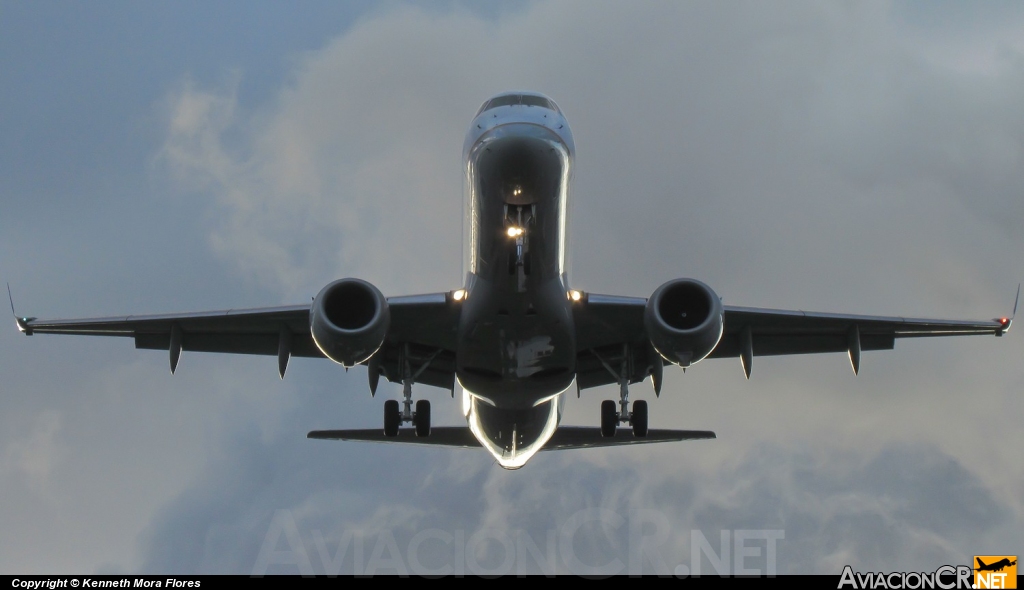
(684, 321)
(349, 320)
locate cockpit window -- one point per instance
(529, 100)
(538, 101)
(503, 101)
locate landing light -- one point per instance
(575, 295)
(459, 295)
(515, 232)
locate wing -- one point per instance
(776, 331)
(566, 437)
(244, 331)
(422, 333)
(610, 334)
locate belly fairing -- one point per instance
(515, 349)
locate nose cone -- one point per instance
(513, 436)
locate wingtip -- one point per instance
(11, 299)
(1016, 301)
(23, 323)
(1006, 322)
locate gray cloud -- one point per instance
(909, 507)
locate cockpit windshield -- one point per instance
(529, 100)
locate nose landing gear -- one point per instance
(517, 219)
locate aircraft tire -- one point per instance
(639, 418)
(392, 418)
(422, 418)
(609, 418)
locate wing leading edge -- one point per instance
(425, 325)
(778, 332)
(233, 331)
(611, 328)
(421, 326)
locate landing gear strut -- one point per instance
(420, 419)
(610, 418)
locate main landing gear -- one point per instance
(610, 417)
(393, 417)
(420, 419)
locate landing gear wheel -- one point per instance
(639, 418)
(422, 418)
(609, 418)
(392, 418)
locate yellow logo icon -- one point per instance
(995, 571)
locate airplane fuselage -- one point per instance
(516, 340)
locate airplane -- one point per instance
(515, 337)
(994, 567)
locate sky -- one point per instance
(856, 158)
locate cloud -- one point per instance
(34, 458)
(794, 157)
(907, 507)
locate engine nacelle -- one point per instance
(349, 320)
(684, 321)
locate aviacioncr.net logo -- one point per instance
(946, 577)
